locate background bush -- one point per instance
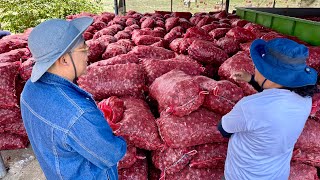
(18, 15)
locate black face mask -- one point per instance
(75, 70)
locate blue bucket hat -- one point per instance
(283, 61)
(53, 38)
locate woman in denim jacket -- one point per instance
(68, 133)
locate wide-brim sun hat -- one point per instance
(53, 38)
(283, 61)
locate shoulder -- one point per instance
(273, 95)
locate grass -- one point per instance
(144, 6)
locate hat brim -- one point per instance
(285, 77)
(40, 68)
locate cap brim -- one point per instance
(81, 24)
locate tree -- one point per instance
(18, 15)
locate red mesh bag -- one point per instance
(271, 35)
(119, 22)
(218, 32)
(147, 31)
(238, 62)
(313, 60)
(174, 33)
(253, 26)
(207, 52)
(201, 124)
(195, 19)
(162, 43)
(138, 171)
(10, 43)
(21, 36)
(315, 110)
(8, 75)
(210, 27)
(210, 156)
(106, 40)
(205, 20)
(26, 69)
(245, 46)
(189, 173)
(171, 161)
(152, 52)
(221, 15)
(10, 141)
(138, 125)
(311, 158)
(122, 35)
(98, 25)
(160, 23)
(113, 80)
(114, 50)
(156, 68)
(302, 171)
(146, 40)
(16, 128)
(10, 115)
(184, 23)
(87, 36)
(240, 34)
(112, 108)
(308, 141)
(196, 32)
(15, 55)
(148, 23)
(106, 31)
(184, 45)
(130, 157)
(174, 45)
(238, 22)
(186, 15)
(128, 44)
(171, 23)
(177, 93)
(229, 45)
(96, 49)
(222, 94)
(119, 59)
(131, 21)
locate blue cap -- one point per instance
(283, 61)
(52, 39)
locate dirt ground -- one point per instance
(21, 165)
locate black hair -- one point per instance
(305, 91)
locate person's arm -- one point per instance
(233, 122)
(223, 132)
(92, 137)
(246, 77)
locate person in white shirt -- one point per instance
(264, 127)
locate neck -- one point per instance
(61, 73)
(270, 85)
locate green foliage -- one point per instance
(18, 15)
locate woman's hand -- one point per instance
(241, 76)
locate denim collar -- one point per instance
(58, 80)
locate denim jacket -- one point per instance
(68, 133)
